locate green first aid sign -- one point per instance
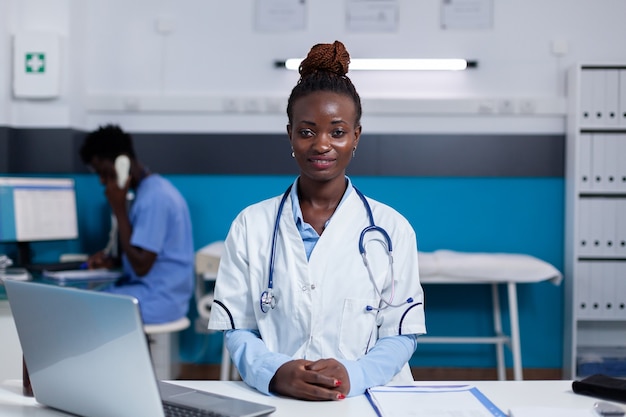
(35, 62)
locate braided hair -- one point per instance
(325, 69)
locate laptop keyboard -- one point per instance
(173, 410)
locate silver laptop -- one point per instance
(87, 354)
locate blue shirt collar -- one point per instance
(308, 235)
(297, 212)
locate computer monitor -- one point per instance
(37, 209)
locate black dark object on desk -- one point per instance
(27, 387)
(601, 386)
(55, 266)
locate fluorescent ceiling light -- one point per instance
(394, 64)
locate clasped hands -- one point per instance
(321, 380)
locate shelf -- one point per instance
(595, 225)
(602, 194)
(604, 129)
(618, 320)
(600, 259)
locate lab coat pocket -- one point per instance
(358, 326)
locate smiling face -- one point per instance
(323, 133)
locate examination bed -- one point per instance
(450, 267)
(438, 267)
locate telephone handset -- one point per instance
(122, 168)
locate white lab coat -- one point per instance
(321, 303)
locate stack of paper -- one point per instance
(19, 274)
(83, 275)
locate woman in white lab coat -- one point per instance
(312, 305)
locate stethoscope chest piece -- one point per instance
(267, 301)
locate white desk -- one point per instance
(504, 394)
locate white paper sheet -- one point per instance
(466, 14)
(432, 401)
(280, 15)
(372, 15)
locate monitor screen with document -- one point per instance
(36, 209)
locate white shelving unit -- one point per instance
(595, 229)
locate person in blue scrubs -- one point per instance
(155, 238)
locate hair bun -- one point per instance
(329, 57)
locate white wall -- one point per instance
(40, 16)
(214, 72)
(5, 58)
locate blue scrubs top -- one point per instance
(161, 224)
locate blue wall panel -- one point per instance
(491, 214)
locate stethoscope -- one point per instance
(268, 299)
